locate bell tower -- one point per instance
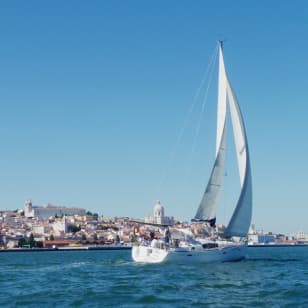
(28, 209)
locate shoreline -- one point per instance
(278, 245)
(85, 248)
(82, 248)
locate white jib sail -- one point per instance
(241, 218)
(210, 199)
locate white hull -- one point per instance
(146, 254)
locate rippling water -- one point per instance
(269, 277)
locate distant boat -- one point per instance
(232, 244)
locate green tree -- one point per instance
(31, 241)
(22, 242)
(117, 238)
(83, 237)
(51, 237)
(95, 237)
(39, 244)
(73, 228)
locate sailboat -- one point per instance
(232, 244)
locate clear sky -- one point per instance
(94, 96)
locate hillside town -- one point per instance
(52, 226)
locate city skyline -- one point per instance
(94, 98)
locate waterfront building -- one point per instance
(301, 236)
(50, 210)
(261, 238)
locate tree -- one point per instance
(51, 237)
(73, 228)
(83, 237)
(22, 242)
(117, 238)
(39, 244)
(95, 237)
(31, 241)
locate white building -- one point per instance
(301, 236)
(60, 226)
(50, 210)
(159, 216)
(40, 229)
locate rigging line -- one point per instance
(197, 131)
(212, 60)
(187, 118)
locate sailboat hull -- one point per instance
(192, 254)
(221, 254)
(147, 254)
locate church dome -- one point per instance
(158, 207)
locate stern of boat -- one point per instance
(147, 254)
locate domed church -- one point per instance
(159, 216)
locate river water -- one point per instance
(269, 277)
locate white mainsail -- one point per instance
(210, 200)
(241, 218)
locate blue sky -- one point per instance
(94, 95)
